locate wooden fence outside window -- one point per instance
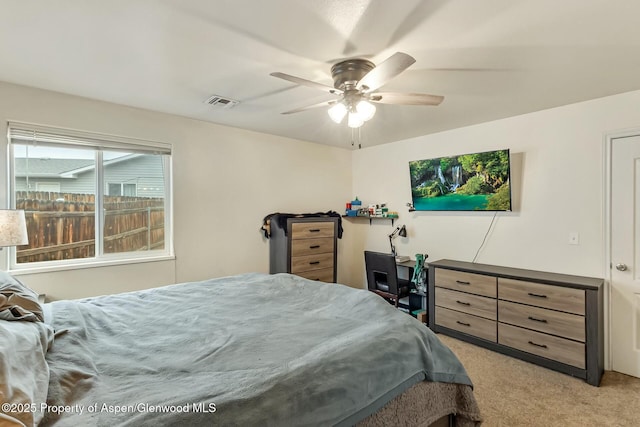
(62, 225)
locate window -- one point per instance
(111, 198)
(50, 187)
(121, 189)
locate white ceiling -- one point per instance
(490, 59)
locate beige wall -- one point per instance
(238, 177)
(557, 180)
(225, 181)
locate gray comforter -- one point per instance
(252, 349)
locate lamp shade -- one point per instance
(354, 120)
(366, 110)
(337, 112)
(13, 228)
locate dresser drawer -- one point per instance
(467, 303)
(300, 247)
(565, 325)
(559, 349)
(300, 264)
(323, 275)
(467, 323)
(310, 230)
(547, 296)
(478, 284)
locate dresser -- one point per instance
(304, 246)
(553, 320)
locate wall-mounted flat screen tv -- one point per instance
(467, 182)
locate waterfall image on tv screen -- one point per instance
(468, 182)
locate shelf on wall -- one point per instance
(370, 218)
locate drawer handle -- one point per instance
(537, 295)
(463, 303)
(538, 320)
(314, 230)
(537, 345)
(314, 246)
(462, 323)
(314, 262)
(463, 283)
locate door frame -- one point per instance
(609, 138)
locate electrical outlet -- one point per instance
(574, 238)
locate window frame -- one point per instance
(18, 134)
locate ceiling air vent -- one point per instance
(221, 102)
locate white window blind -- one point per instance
(47, 136)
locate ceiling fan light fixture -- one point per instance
(337, 112)
(366, 110)
(356, 82)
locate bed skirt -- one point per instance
(428, 404)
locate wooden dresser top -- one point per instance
(571, 281)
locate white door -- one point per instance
(625, 255)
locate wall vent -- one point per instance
(221, 102)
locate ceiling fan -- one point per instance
(355, 82)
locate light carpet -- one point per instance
(511, 392)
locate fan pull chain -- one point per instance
(359, 137)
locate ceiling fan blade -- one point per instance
(309, 107)
(406, 98)
(385, 71)
(304, 82)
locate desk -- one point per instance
(416, 300)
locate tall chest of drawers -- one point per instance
(304, 246)
(554, 320)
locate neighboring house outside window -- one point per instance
(89, 197)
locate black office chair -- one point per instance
(382, 276)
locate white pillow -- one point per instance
(24, 373)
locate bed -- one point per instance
(251, 349)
